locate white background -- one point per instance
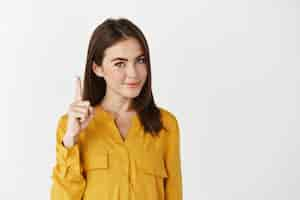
(229, 70)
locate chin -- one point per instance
(131, 94)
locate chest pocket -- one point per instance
(152, 163)
(95, 160)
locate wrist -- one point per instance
(69, 140)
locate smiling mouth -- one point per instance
(133, 84)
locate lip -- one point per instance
(133, 84)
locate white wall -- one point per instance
(229, 70)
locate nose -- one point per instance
(131, 71)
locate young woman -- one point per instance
(114, 143)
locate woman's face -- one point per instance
(123, 64)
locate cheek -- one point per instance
(117, 78)
(143, 72)
(113, 78)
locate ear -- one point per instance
(98, 70)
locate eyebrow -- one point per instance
(125, 59)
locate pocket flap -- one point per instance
(152, 164)
(96, 161)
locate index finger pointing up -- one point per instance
(78, 91)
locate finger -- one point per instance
(78, 91)
(79, 104)
(82, 119)
(91, 110)
(90, 115)
(82, 103)
(78, 115)
(80, 109)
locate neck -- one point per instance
(116, 106)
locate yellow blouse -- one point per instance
(102, 165)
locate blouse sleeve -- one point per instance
(68, 180)
(173, 184)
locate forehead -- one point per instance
(129, 48)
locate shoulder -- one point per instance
(168, 118)
(167, 114)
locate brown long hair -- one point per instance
(105, 35)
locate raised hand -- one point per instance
(80, 114)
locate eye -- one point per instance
(142, 60)
(119, 64)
